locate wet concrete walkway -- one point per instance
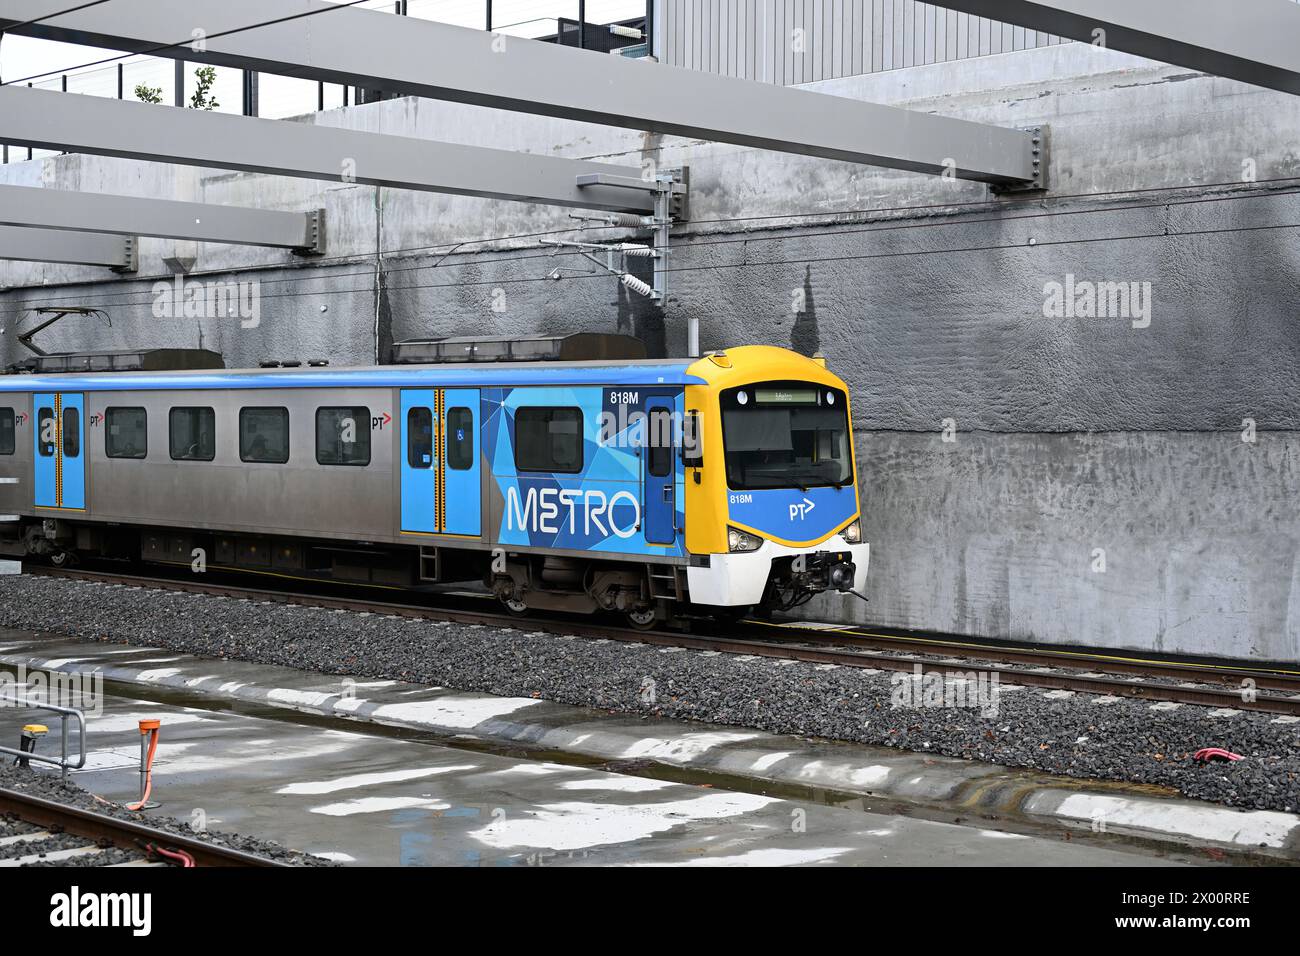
(378, 800)
(370, 795)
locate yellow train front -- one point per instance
(771, 499)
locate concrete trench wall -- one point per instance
(1073, 440)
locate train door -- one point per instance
(461, 471)
(419, 473)
(60, 459)
(660, 490)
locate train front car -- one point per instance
(772, 507)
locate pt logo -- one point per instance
(20, 419)
(380, 422)
(801, 510)
(95, 420)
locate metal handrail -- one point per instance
(63, 713)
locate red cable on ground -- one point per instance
(148, 772)
(185, 860)
(1206, 754)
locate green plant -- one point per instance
(205, 78)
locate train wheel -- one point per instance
(642, 620)
(515, 607)
(61, 559)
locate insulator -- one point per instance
(636, 285)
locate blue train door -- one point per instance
(461, 471)
(419, 478)
(660, 472)
(60, 459)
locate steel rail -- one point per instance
(124, 834)
(789, 647)
(1109, 663)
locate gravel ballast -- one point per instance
(51, 786)
(1074, 735)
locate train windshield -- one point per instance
(786, 436)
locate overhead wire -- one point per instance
(830, 232)
(769, 263)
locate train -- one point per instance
(654, 489)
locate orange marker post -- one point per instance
(148, 749)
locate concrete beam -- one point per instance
(130, 216)
(406, 55)
(74, 248)
(1254, 41)
(109, 127)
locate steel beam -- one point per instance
(109, 127)
(1255, 41)
(403, 55)
(75, 248)
(130, 216)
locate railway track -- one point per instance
(34, 831)
(1210, 684)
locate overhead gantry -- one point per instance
(109, 127)
(59, 209)
(1254, 41)
(120, 253)
(314, 40)
(1250, 40)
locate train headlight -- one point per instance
(853, 533)
(740, 541)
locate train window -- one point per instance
(264, 435)
(419, 438)
(343, 436)
(692, 440)
(460, 439)
(71, 433)
(548, 439)
(193, 434)
(46, 430)
(660, 457)
(126, 433)
(6, 431)
(786, 438)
